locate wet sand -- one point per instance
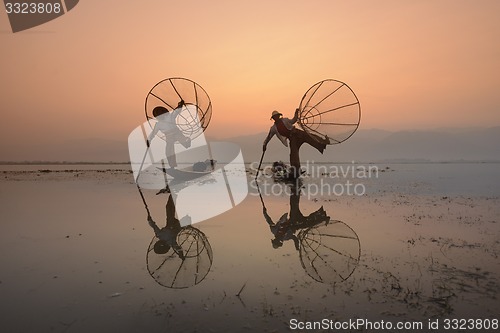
(74, 245)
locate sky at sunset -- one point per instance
(412, 64)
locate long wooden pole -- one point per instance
(260, 163)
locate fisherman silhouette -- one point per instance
(167, 236)
(289, 223)
(284, 129)
(328, 249)
(179, 255)
(166, 123)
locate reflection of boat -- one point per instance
(184, 174)
(198, 169)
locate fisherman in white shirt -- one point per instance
(166, 123)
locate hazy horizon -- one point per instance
(439, 144)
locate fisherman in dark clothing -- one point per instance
(288, 224)
(285, 131)
(167, 236)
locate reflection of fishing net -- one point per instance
(330, 109)
(195, 115)
(171, 271)
(329, 252)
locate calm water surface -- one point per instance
(77, 254)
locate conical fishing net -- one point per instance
(195, 115)
(181, 268)
(330, 110)
(329, 252)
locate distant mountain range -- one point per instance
(366, 145)
(372, 145)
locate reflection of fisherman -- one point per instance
(167, 125)
(285, 228)
(167, 236)
(283, 128)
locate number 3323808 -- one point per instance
(32, 8)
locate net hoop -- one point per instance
(194, 117)
(330, 251)
(329, 110)
(171, 271)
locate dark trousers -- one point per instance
(297, 138)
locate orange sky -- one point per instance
(412, 64)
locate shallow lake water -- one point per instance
(422, 242)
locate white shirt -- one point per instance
(166, 124)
